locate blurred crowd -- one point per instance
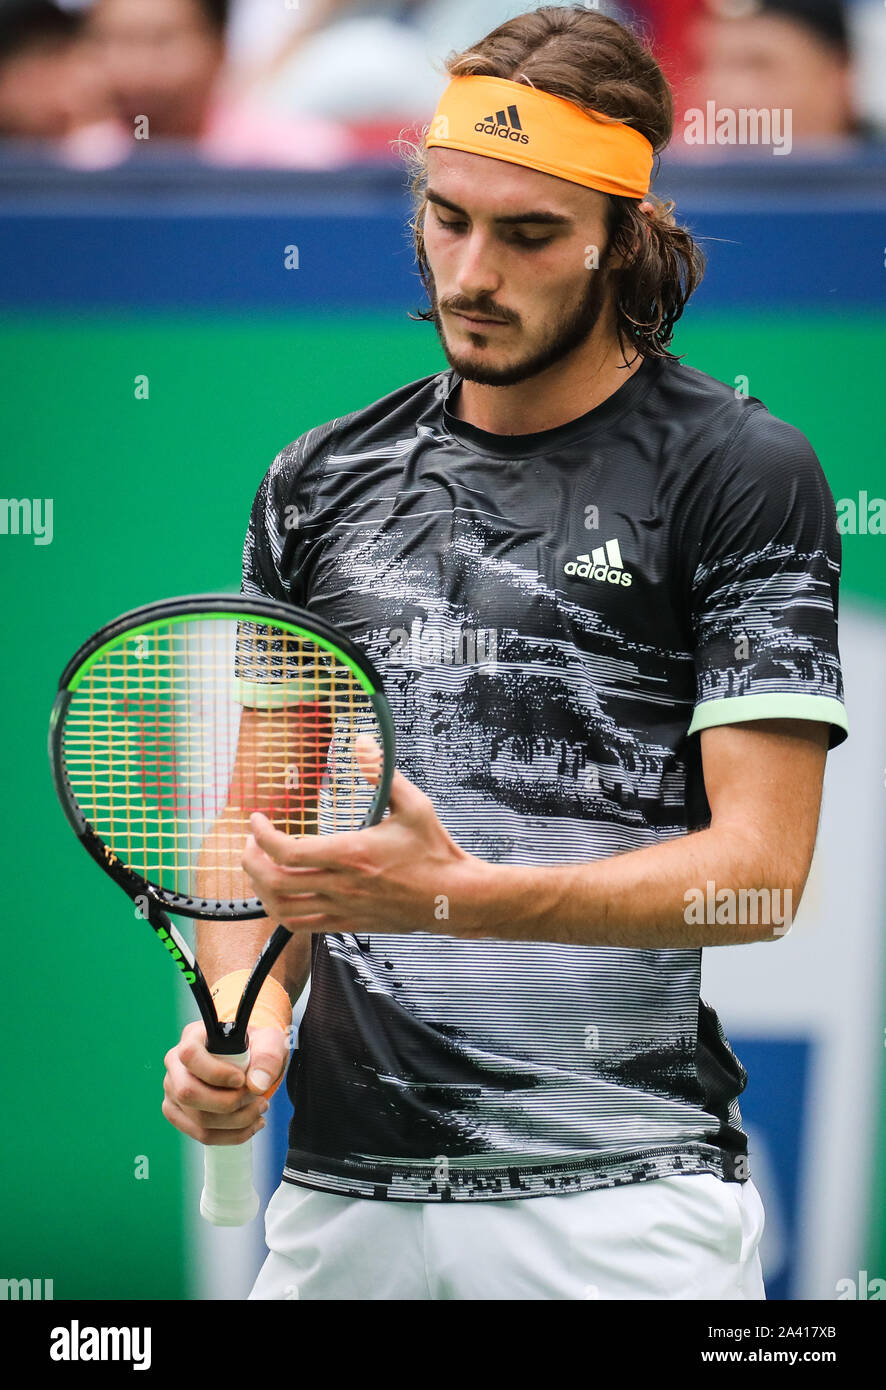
(323, 83)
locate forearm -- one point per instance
(226, 946)
(718, 887)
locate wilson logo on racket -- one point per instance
(176, 955)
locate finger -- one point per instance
(243, 1119)
(256, 859)
(190, 1125)
(295, 919)
(369, 758)
(315, 922)
(313, 900)
(190, 1093)
(268, 1056)
(295, 852)
(406, 798)
(276, 881)
(194, 1055)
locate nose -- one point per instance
(477, 276)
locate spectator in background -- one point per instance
(47, 86)
(364, 62)
(161, 59)
(669, 24)
(162, 64)
(867, 20)
(787, 55)
(377, 65)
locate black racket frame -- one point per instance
(152, 901)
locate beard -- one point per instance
(568, 334)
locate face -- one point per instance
(768, 62)
(511, 253)
(160, 59)
(46, 90)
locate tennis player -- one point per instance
(601, 588)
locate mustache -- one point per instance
(483, 309)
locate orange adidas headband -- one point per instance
(511, 121)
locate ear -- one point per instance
(648, 211)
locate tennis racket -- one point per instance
(170, 727)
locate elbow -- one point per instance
(785, 899)
(769, 908)
(764, 890)
(782, 891)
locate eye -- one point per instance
(450, 226)
(534, 241)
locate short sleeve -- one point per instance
(273, 672)
(764, 591)
(275, 513)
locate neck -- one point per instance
(554, 397)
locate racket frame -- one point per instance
(154, 902)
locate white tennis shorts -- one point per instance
(685, 1237)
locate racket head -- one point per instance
(151, 720)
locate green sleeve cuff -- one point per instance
(740, 709)
(276, 694)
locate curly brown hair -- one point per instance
(599, 65)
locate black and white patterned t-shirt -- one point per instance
(555, 617)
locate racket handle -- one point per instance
(229, 1198)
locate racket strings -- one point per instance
(177, 733)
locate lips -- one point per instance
(475, 318)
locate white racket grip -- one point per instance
(229, 1198)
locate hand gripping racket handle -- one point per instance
(229, 1198)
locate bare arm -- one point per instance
(278, 766)
(763, 781)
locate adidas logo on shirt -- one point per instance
(603, 564)
(505, 125)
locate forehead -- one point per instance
(774, 38)
(149, 12)
(488, 187)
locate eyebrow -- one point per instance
(555, 218)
